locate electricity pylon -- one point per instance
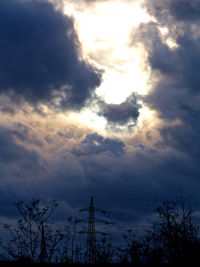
(91, 231)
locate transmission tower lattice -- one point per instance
(91, 231)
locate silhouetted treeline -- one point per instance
(172, 238)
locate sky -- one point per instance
(99, 98)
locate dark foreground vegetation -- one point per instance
(172, 239)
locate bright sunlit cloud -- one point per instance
(104, 30)
(89, 118)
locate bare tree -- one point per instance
(33, 237)
(105, 250)
(132, 252)
(175, 233)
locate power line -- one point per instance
(131, 199)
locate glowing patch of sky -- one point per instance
(104, 30)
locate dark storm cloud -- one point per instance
(128, 111)
(180, 10)
(137, 182)
(10, 151)
(185, 10)
(40, 55)
(96, 144)
(19, 168)
(135, 178)
(120, 181)
(176, 93)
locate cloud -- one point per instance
(185, 10)
(122, 177)
(121, 114)
(41, 56)
(124, 182)
(12, 152)
(20, 169)
(96, 144)
(175, 93)
(99, 166)
(180, 10)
